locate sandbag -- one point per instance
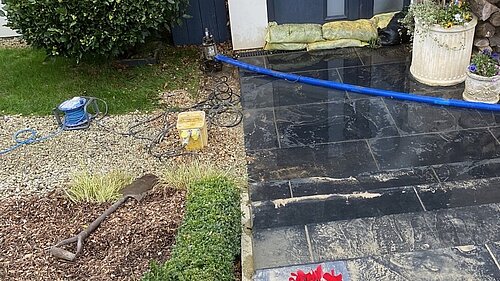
(334, 44)
(293, 33)
(382, 20)
(363, 30)
(285, 46)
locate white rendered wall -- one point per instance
(248, 23)
(5, 31)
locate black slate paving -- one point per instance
(435, 148)
(280, 246)
(460, 193)
(305, 61)
(263, 191)
(494, 248)
(260, 129)
(333, 122)
(344, 176)
(329, 160)
(457, 263)
(422, 231)
(417, 118)
(265, 91)
(468, 170)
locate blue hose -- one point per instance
(359, 89)
(30, 139)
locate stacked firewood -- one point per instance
(488, 27)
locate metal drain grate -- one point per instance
(256, 53)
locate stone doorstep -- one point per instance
(468, 262)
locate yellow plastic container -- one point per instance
(192, 128)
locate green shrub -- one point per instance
(76, 28)
(209, 238)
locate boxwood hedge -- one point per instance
(208, 239)
(76, 28)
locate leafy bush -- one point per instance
(95, 27)
(97, 188)
(209, 237)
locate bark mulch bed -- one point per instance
(120, 249)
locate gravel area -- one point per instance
(120, 249)
(42, 167)
(15, 42)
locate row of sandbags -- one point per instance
(331, 35)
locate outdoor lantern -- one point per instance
(209, 47)
(209, 53)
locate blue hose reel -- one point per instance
(76, 113)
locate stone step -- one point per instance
(326, 185)
(317, 208)
(467, 262)
(376, 236)
(367, 181)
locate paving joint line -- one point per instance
(436, 175)
(492, 256)
(359, 57)
(309, 244)
(392, 117)
(489, 130)
(419, 199)
(373, 155)
(276, 129)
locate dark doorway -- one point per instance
(321, 11)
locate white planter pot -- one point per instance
(481, 89)
(440, 55)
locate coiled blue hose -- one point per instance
(359, 89)
(74, 116)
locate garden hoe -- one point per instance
(135, 190)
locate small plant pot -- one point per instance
(481, 89)
(440, 55)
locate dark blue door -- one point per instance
(211, 14)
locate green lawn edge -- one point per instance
(31, 84)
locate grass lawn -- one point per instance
(30, 86)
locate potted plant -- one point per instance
(443, 33)
(482, 83)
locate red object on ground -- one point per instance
(315, 275)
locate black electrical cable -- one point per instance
(221, 108)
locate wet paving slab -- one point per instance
(473, 225)
(326, 160)
(435, 148)
(280, 246)
(456, 263)
(317, 123)
(390, 189)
